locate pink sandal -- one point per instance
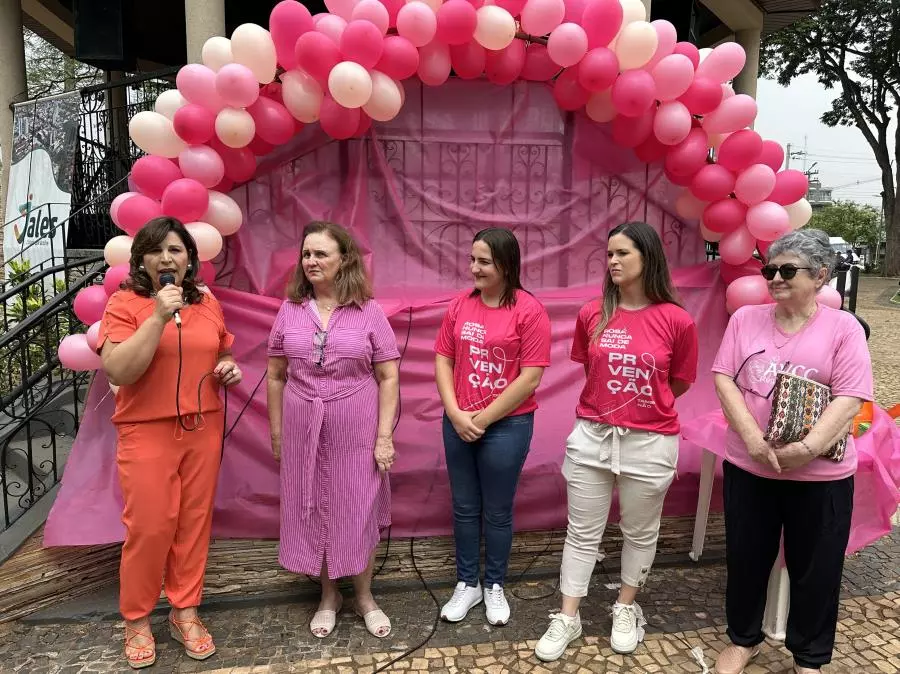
(199, 648)
(139, 656)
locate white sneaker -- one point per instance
(463, 599)
(627, 627)
(496, 607)
(563, 630)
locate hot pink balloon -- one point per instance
(417, 23)
(514, 7)
(772, 155)
(724, 215)
(76, 354)
(118, 201)
(393, 8)
(829, 297)
(90, 303)
(737, 247)
(688, 49)
(666, 37)
(225, 186)
(274, 124)
(197, 84)
(468, 60)
(504, 66)
(712, 183)
(240, 163)
(434, 63)
(152, 175)
(317, 54)
(374, 11)
(732, 114)
(194, 124)
(567, 44)
(673, 76)
(746, 291)
(207, 272)
(136, 212)
(362, 42)
(574, 10)
(337, 121)
(632, 131)
(672, 123)
(731, 273)
(365, 124)
(456, 22)
(539, 67)
(754, 184)
(723, 63)
(767, 221)
(185, 199)
(676, 179)
(790, 186)
(633, 92)
(399, 58)
(689, 156)
(203, 164)
(287, 22)
(702, 96)
(651, 150)
(568, 93)
(237, 85)
(739, 150)
(601, 21)
(539, 17)
(114, 276)
(763, 248)
(598, 69)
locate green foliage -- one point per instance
(857, 224)
(49, 71)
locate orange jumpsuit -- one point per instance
(168, 476)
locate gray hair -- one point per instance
(811, 245)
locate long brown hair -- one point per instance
(657, 280)
(507, 258)
(151, 237)
(351, 282)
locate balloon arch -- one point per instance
(666, 100)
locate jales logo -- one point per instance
(39, 223)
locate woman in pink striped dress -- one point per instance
(333, 390)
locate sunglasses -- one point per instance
(319, 341)
(737, 374)
(787, 271)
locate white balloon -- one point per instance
(155, 134)
(600, 108)
(217, 53)
(252, 46)
(302, 95)
(170, 102)
(223, 213)
(350, 84)
(208, 240)
(633, 10)
(117, 250)
(799, 213)
(496, 28)
(636, 45)
(386, 99)
(235, 128)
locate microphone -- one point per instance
(168, 279)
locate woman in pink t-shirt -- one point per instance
(492, 349)
(639, 351)
(789, 490)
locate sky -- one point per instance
(792, 115)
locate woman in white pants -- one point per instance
(639, 351)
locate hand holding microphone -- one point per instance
(169, 299)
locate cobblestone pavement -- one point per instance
(683, 604)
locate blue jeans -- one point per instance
(483, 479)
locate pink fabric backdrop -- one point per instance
(459, 158)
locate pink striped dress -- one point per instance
(334, 501)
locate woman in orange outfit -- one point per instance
(169, 451)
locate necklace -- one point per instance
(791, 336)
(325, 307)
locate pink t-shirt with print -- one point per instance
(831, 349)
(491, 345)
(631, 365)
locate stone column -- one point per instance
(647, 7)
(13, 87)
(203, 19)
(745, 82)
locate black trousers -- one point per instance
(815, 519)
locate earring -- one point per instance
(141, 267)
(189, 267)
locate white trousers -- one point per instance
(599, 457)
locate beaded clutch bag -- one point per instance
(797, 404)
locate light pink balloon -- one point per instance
(151, 175)
(539, 17)
(136, 212)
(712, 183)
(223, 213)
(374, 11)
(287, 22)
(337, 121)
(209, 241)
(725, 215)
(689, 50)
(468, 60)
(598, 69)
(92, 335)
(829, 297)
(456, 22)
(302, 96)
(737, 247)
(633, 92)
(76, 354)
(768, 221)
(434, 62)
(185, 199)
(197, 84)
(235, 128)
(118, 201)
(600, 107)
(417, 23)
(331, 26)
(362, 42)
(754, 184)
(733, 114)
(399, 58)
(672, 123)
(89, 304)
(114, 276)
(746, 291)
(386, 100)
(203, 164)
(724, 63)
(342, 8)
(236, 85)
(568, 93)
(567, 44)
(666, 37)
(688, 206)
(673, 76)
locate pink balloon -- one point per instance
(237, 85)
(790, 186)
(725, 215)
(337, 121)
(737, 247)
(601, 21)
(539, 67)
(399, 58)
(651, 150)
(341, 8)
(754, 184)
(365, 123)
(723, 63)
(468, 60)
(317, 54)
(417, 23)
(331, 26)
(666, 37)
(194, 124)
(688, 206)
(208, 240)
(434, 63)
(114, 276)
(676, 179)
(118, 201)
(151, 175)
(504, 66)
(567, 44)
(207, 272)
(136, 212)
(598, 69)
(223, 213)
(746, 291)
(731, 273)
(287, 22)
(688, 49)
(632, 131)
(712, 183)
(259, 147)
(456, 22)
(185, 199)
(763, 248)
(569, 94)
(539, 17)
(732, 114)
(689, 156)
(772, 155)
(90, 303)
(673, 76)
(197, 84)
(514, 7)
(702, 96)
(374, 11)
(633, 93)
(76, 354)
(203, 164)
(394, 6)
(92, 335)
(240, 163)
(767, 221)
(225, 186)
(362, 42)
(739, 150)
(672, 123)
(574, 10)
(274, 124)
(829, 297)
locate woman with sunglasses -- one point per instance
(333, 391)
(788, 490)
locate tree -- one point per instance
(857, 224)
(853, 46)
(49, 71)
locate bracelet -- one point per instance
(807, 448)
